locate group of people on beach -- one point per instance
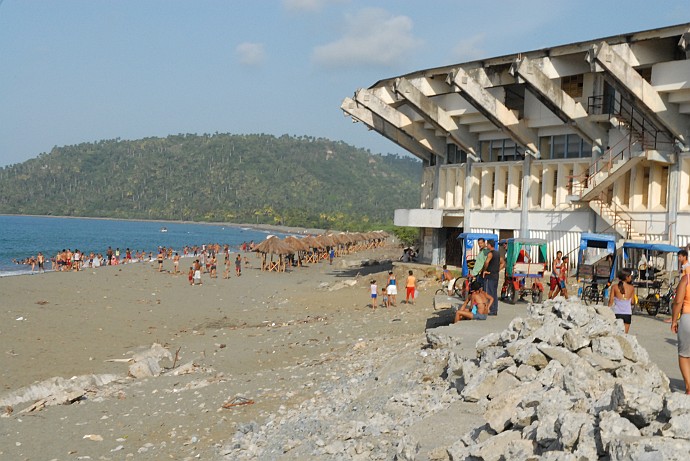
(389, 292)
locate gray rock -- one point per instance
(570, 424)
(575, 339)
(490, 340)
(678, 427)
(493, 449)
(491, 354)
(649, 448)
(447, 336)
(612, 427)
(648, 377)
(560, 354)
(407, 449)
(676, 404)
(530, 355)
(505, 383)
(640, 406)
(597, 361)
(632, 349)
(552, 374)
(479, 385)
(526, 373)
(501, 409)
(607, 347)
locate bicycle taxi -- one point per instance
(470, 251)
(652, 276)
(596, 266)
(525, 259)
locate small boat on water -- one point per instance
(164, 229)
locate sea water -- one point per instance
(24, 236)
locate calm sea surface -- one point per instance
(24, 236)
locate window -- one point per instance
(499, 150)
(572, 85)
(564, 146)
(456, 155)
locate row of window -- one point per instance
(504, 150)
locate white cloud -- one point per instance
(372, 37)
(250, 54)
(469, 49)
(308, 5)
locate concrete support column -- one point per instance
(672, 201)
(435, 189)
(524, 209)
(467, 196)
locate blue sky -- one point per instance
(75, 71)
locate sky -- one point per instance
(74, 71)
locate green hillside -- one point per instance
(294, 181)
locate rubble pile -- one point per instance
(567, 383)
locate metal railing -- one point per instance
(619, 216)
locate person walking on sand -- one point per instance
(176, 263)
(410, 287)
(159, 258)
(621, 297)
(392, 289)
(238, 265)
(680, 325)
(226, 274)
(41, 262)
(373, 292)
(384, 297)
(214, 266)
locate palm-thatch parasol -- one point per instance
(297, 244)
(273, 246)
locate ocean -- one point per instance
(24, 236)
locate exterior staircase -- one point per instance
(643, 142)
(616, 218)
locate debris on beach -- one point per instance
(567, 382)
(237, 402)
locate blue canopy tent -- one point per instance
(606, 243)
(633, 260)
(469, 241)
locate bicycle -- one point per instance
(461, 288)
(592, 294)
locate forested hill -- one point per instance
(294, 181)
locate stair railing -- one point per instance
(620, 216)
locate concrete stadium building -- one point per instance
(583, 137)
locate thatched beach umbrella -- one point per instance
(273, 246)
(297, 244)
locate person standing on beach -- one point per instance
(190, 275)
(563, 278)
(214, 266)
(554, 287)
(238, 265)
(331, 255)
(410, 287)
(197, 272)
(373, 291)
(109, 255)
(392, 289)
(159, 258)
(490, 272)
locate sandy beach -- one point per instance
(275, 339)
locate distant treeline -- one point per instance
(293, 181)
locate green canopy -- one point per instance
(517, 244)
